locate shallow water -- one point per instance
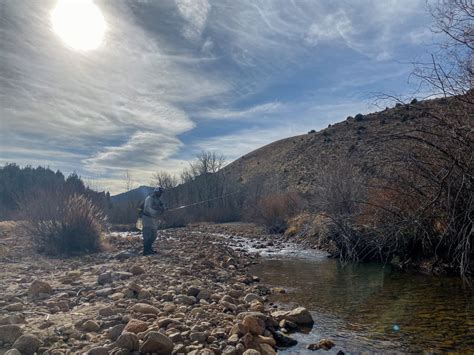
(367, 307)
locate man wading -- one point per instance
(152, 209)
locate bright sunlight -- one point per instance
(79, 23)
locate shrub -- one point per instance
(312, 131)
(274, 211)
(359, 117)
(63, 224)
(414, 101)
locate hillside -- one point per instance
(133, 195)
(294, 163)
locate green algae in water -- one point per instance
(367, 307)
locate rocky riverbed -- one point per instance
(194, 296)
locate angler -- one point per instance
(152, 209)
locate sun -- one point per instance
(79, 23)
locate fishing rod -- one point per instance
(201, 202)
(139, 224)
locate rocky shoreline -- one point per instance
(194, 296)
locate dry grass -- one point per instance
(65, 224)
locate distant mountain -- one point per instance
(133, 195)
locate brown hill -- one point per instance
(295, 163)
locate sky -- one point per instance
(166, 79)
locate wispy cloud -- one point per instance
(229, 114)
(168, 68)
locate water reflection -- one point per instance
(369, 307)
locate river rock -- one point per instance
(38, 287)
(137, 270)
(13, 319)
(251, 352)
(200, 337)
(193, 291)
(255, 325)
(15, 307)
(145, 309)
(239, 329)
(105, 278)
(325, 344)
(283, 340)
(229, 350)
(185, 299)
(9, 333)
(136, 326)
(90, 326)
(266, 349)
(114, 332)
(156, 342)
(128, 341)
(100, 350)
(204, 295)
(108, 311)
(27, 344)
(299, 315)
(250, 297)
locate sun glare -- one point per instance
(79, 23)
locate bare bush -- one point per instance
(60, 223)
(274, 211)
(340, 188)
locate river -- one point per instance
(369, 307)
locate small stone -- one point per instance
(100, 350)
(193, 291)
(239, 329)
(203, 295)
(137, 270)
(27, 344)
(252, 297)
(104, 292)
(266, 349)
(38, 287)
(184, 299)
(266, 340)
(229, 350)
(283, 340)
(200, 337)
(105, 278)
(156, 342)
(90, 326)
(116, 296)
(145, 309)
(325, 344)
(9, 333)
(169, 307)
(114, 332)
(255, 325)
(134, 287)
(14, 307)
(251, 352)
(13, 352)
(128, 341)
(136, 326)
(144, 294)
(123, 275)
(108, 311)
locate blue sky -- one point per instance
(174, 77)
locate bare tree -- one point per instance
(129, 184)
(164, 179)
(450, 70)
